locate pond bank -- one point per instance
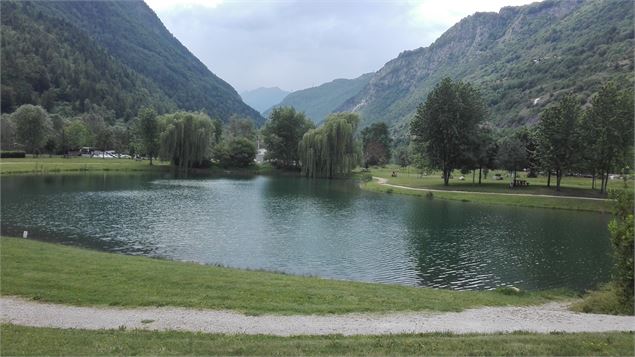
(66, 275)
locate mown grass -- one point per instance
(572, 186)
(494, 199)
(57, 164)
(31, 341)
(61, 274)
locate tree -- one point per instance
(485, 151)
(556, 136)
(76, 135)
(609, 124)
(238, 127)
(104, 140)
(186, 138)
(376, 143)
(512, 155)
(120, 139)
(148, 131)
(283, 133)
(621, 228)
(330, 151)
(237, 153)
(31, 123)
(447, 123)
(402, 156)
(7, 132)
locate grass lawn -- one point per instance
(571, 186)
(25, 341)
(61, 274)
(58, 164)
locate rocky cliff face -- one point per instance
(521, 59)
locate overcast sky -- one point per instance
(299, 44)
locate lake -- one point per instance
(323, 228)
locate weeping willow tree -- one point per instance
(330, 151)
(186, 138)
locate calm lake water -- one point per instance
(314, 227)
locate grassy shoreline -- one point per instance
(68, 275)
(32, 341)
(493, 192)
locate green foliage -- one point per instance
(238, 152)
(186, 138)
(606, 300)
(77, 135)
(447, 123)
(512, 154)
(622, 233)
(240, 128)
(31, 124)
(48, 61)
(6, 154)
(282, 135)
(556, 136)
(376, 144)
(104, 54)
(148, 132)
(608, 130)
(8, 138)
(330, 151)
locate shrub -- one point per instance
(366, 177)
(12, 154)
(237, 153)
(621, 228)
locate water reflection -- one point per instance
(313, 227)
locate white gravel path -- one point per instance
(545, 318)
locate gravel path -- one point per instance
(544, 318)
(384, 182)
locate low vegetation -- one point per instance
(61, 274)
(31, 341)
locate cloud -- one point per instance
(299, 44)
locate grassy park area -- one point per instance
(25, 341)
(61, 274)
(57, 164)
(497, 192)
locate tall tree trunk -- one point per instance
(549, 178)
(593, 181)
(473, 176)
(446, 176)
(558, 179)
(480, 171)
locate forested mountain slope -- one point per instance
(125, 56)
(521, 59)
(318, 102)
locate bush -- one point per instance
(621, 228)
(604, 301)
(366, 177)
(237, 153)
(12, 154)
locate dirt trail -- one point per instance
(544, 318)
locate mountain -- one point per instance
(263, 98)
(318, 102)
(521, 59)
(115, 54)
